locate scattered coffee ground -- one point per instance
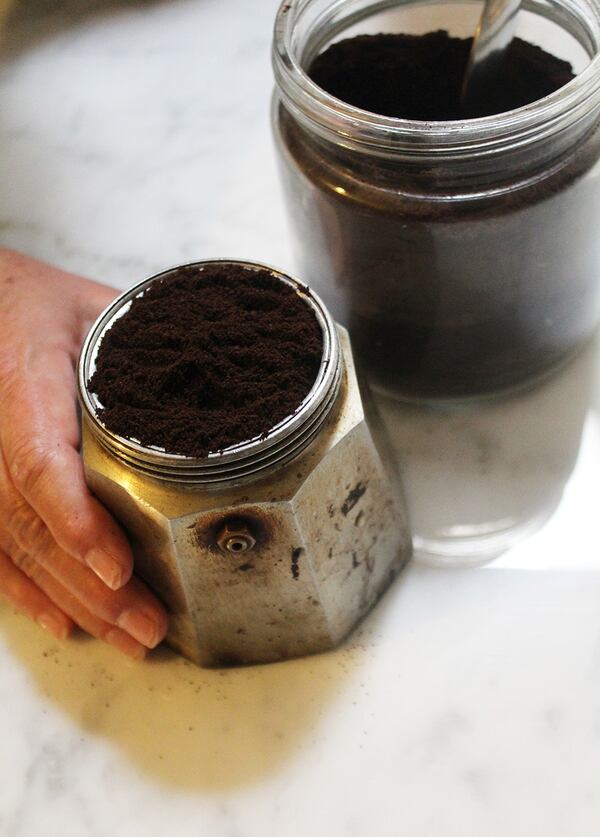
(420, 76)
(207, 358)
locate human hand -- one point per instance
(63, 558)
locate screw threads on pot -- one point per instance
(251, 458)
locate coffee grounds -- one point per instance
(448, 287)
(420, 76)
(207, 358)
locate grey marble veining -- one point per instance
(136, 135)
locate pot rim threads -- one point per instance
(249, 459)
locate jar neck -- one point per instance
(526, 140)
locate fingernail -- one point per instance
(124, 643)
(54, 625)
(105, 567)
(140, 626)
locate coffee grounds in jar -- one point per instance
(420, 76)
(207, 358)
(455, 277)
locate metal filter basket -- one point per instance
(270, 549)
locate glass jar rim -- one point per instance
(350, 126)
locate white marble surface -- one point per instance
(133, 136)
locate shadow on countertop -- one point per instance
(188, 728)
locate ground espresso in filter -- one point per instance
(420, 76)
(207, 358)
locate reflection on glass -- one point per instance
(480, 477)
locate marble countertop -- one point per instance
(134, 135)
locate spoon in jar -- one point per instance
(494, 33)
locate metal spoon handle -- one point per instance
(494, 33)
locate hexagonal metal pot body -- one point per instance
(323, 537)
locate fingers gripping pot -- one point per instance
(270, 549)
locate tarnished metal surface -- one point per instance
(271, 550)
(329, 537)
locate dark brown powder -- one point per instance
(420, 76)
(207, 358)
(455, 276)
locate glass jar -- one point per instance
(464, 257)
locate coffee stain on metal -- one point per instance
(296, 553)
(353, 498)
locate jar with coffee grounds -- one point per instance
(224, 427)
(461, 249)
